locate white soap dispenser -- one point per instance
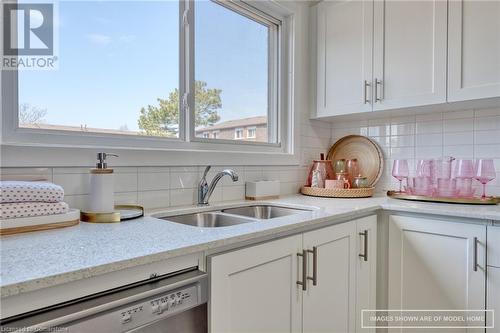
(101, 186)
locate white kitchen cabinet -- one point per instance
(474, 50)
(330, 305)
(493, 297)
(366, 269)
(493, 246)
(436, 264)
(254, 289)
(409, 57)
(344, 57)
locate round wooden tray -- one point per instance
(366, 151)
(338, 192)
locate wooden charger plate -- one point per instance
(366, 151)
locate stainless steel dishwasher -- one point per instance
(174, 304)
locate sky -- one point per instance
(118, 56)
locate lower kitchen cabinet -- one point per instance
(493, 298)
(255, 289)
(436, 264)
(317, 281)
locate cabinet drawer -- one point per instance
(493, 246)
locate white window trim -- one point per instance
(40, 147)
(252, 128)
(239, 130)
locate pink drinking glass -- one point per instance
(400, 171)
(484, 172)
(464, 169)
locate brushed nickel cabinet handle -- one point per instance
(303, 283)
(366, 84)
(364, 255)
(314, 278)
(377, 83)
(475, 255)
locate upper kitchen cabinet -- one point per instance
(344, 57)
(474, 50)
(409, 58)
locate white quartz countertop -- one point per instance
(42, 259)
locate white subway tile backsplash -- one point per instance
(458, 125)
(153, 181)
(73, 183)
(458, 114)
(458, 138)
(154, 199)
(431, 139)
(426, 127)
(487, 123)
(125, 182)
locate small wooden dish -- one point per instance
(338, 192)
(39, 223)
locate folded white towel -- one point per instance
(20, 191)
(27, 209)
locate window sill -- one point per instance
(20, 155)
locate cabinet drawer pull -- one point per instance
(314, 278)
(475, 255)
(366, 84)
(303, 283)
(365, 239)
(377, 83)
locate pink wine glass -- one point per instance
(484, 172)
(464, 169)
(400, 171)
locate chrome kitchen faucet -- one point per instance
(205, 190)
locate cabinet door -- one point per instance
(493, 297)
(493, 245)
(432, 266)
(329, 306)
(366, 269)
(409, 53)
(344, 57)
(255, 289)
(474, 50)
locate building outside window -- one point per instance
(238, 133)
(206, 135)
(215, 134)
(251, 132)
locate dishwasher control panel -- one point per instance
(142, 312)
(159, 306)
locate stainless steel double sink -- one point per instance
(233, 216)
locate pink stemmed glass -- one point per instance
(400, 171)
(484, 172)
(464, 169)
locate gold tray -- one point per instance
(467, 201)
(121, 213)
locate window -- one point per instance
(238, 133)
(252, 132)
(180, 74)
(233, 56)
(100, 85)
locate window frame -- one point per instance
(239, 130)
(254, 129)
(49, 142)
(274, 102)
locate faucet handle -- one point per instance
(207, 169)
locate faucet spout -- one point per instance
(205, 190)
